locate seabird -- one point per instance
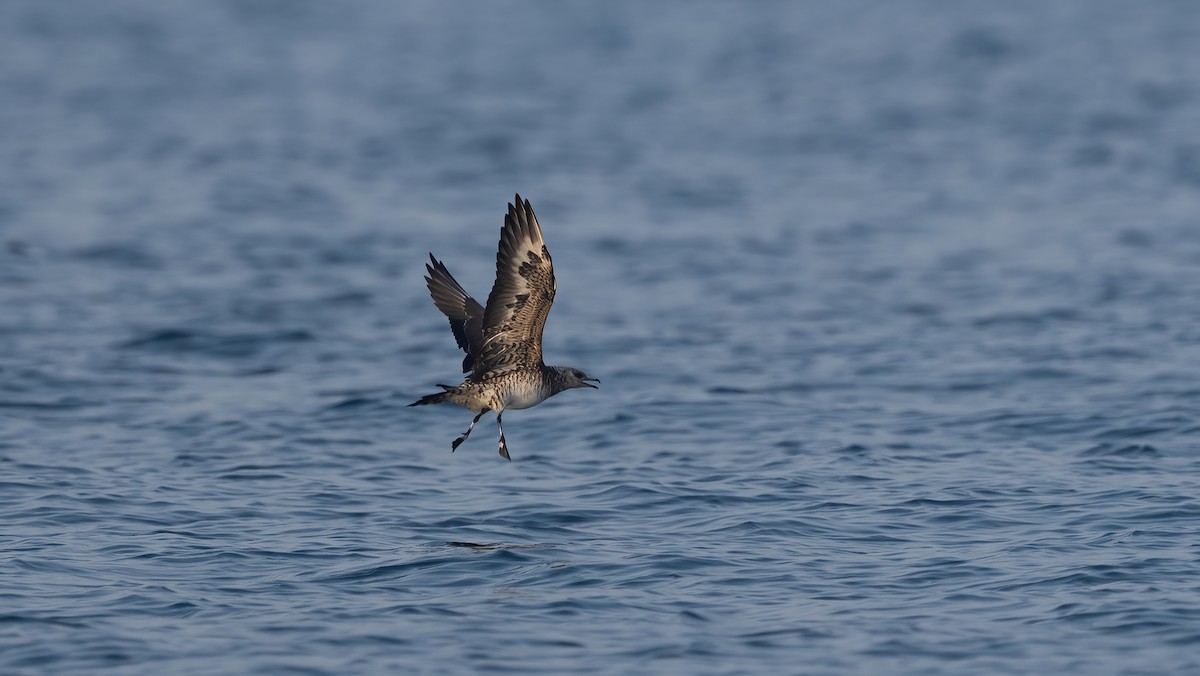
(503, 340)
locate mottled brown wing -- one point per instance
(520, 300)
(464, 312)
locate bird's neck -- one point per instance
(555, 377)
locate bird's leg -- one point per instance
(503, 443)
(463, 437)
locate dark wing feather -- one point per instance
(465, 313)
(521, 297)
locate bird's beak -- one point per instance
(585, 382)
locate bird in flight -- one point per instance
(503, 340)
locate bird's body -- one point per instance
(515, 389)
(503, 340)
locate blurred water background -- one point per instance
(895, 307)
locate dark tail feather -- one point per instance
(439, 398)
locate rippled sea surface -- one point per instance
(896, 308)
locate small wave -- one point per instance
(187, 341)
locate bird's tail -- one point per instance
(439, 398)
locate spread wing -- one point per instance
(465, 313)
(521, 297)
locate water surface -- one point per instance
(894, 308)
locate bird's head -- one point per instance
(573, 377)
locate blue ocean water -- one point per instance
(894, 305)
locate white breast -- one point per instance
(523, 395)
